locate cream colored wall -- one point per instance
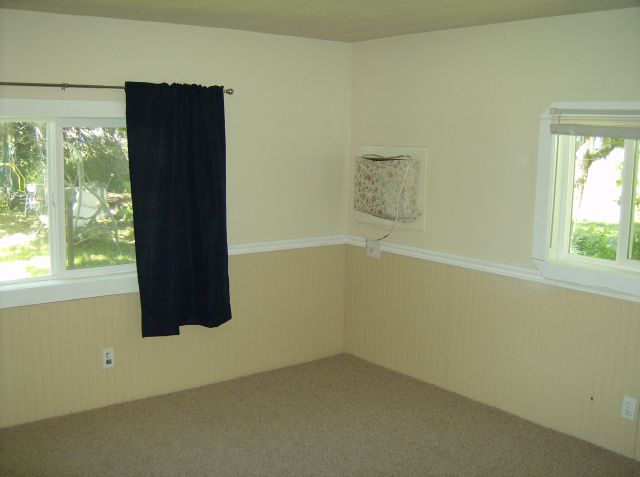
(473, 96)
(287, 141)
(50, 355)
(537, 351)
(287, 123)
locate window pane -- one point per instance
(634, 252)
(99, 218)
(24, 231)
(595, 212)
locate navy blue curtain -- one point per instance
(177, 163)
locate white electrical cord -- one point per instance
(395, 221)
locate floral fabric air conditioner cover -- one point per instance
(377, 188)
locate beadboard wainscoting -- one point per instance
(555, 356)
(288, 308)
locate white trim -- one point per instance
(522, 273)
(543, 212)
(356, 241)
(617, 283)
(464, 262)
(454, 260)
(52, 290)
(48, 291)
(55, 108)
(277, 245)
(619, 279)
(63, 289)
(591, 107)
(626, 204)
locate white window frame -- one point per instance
(65, 284)
(620, 277)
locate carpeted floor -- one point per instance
(336, 416)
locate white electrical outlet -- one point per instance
(629, 406)
(108, 358)
(373, 248)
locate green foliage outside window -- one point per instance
(95, 160)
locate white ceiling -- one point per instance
(342, 20)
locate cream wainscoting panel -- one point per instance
(288, 308)
(558, 357)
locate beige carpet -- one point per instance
(336, 416)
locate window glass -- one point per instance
(595, 205)
(587, 220)
(634, 252)
(24, 230)
(98, 211)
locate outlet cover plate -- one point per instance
(373, 248)
(629, 406)
(108, 358)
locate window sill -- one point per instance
(48, 291)
(609, 280)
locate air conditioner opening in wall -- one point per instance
(389, 186)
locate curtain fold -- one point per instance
(176, 137)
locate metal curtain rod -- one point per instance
(69, 85)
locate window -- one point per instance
(587, 229)
(66, 221)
